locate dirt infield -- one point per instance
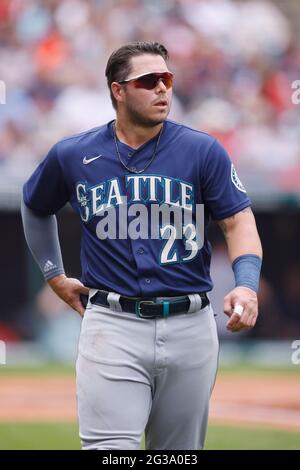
(244, 400)
(257, 400)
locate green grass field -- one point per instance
(51, 369)
(43, 436)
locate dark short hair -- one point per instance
(118, 66)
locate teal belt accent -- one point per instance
(166, 308)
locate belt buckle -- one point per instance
(138, 308)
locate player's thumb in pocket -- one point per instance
(84, 290)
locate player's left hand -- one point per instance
(242, 309)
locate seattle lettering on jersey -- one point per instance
(158, 207)
(144, 189)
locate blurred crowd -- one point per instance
(234, 64)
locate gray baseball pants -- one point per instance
(136, 375)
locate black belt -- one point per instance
(149, 307)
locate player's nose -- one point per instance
(161, 86)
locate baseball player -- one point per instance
(148, 348)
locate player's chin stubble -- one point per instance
(140, 119)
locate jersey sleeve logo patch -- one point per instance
(236, 180)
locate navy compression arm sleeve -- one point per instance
(42, 238)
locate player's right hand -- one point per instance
(240, 305)
(69, 290)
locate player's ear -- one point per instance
(117, 91)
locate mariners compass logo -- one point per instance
(236, 180)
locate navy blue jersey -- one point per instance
(190, 169)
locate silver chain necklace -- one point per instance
(134, 170)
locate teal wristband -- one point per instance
(246, 270)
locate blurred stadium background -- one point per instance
(234, 64)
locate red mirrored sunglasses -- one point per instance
(149, 81)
